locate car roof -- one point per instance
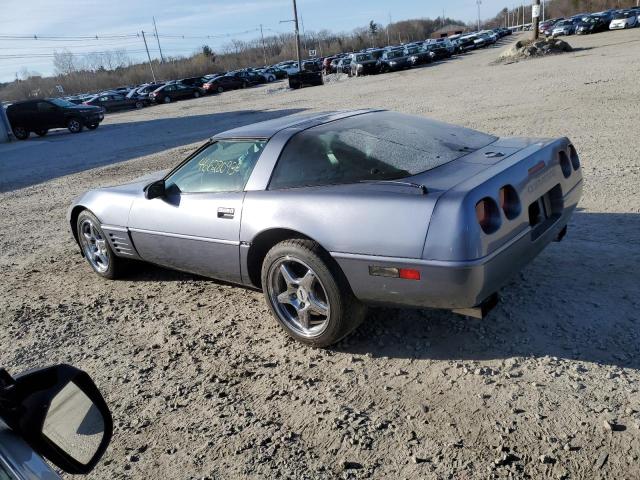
(269, 128)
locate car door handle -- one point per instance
(225, 212)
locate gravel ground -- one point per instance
(203, 384)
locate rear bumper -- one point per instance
(452, 284)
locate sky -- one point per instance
(222, 20)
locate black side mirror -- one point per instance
(60, 413)
(155, 190)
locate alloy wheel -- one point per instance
(298, 297)
(94, 246)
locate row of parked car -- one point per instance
(399, 57)
(592, 23)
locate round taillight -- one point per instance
(575, 160)
(488, 215)
(509, 202)
(565, 164)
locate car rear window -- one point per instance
(372, 146)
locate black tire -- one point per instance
(244, 85)
(93, 126)
(220, 89)
(115, 265)
(139, 105)
(41, 132)
(196, 94)
(166, 99)
(345, 311)
(74, 125)
(21, 133)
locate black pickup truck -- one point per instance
(309, 76)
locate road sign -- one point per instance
(312, 53)
(60, 89)
(535, 11)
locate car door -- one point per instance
(195, 226)
(47, 115)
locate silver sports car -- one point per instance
(328, 213)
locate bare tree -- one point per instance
(64, 62)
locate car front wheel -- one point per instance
(196, 94)
(308, 294)
(74, 125)
(166, 99)
(96, 248)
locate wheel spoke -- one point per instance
(288, 277)
(316, 306)
(303, 317)
(285, 297)
(307, 280)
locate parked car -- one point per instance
(55, 413)
(40, 116)
(392, 60)
(419, 55)
(591, 24)
(289, 67)
(446, 43)
(173, 91)
(362, 64)
(439, 50)
(249, 77)
(624, 20)
(112, 102)
(223, 83)
(344, 65)
(193, 81)
(548, 27)
(417, 213)
(564, 27)
(305, 78)
(277, 72)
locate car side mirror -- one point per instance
(155, 190)
(60, 413)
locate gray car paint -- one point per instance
(359, 224)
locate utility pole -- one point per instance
(543, 8)
(478, 2)
(148, 56)
(295, 16)
(264, 51)
(535, 14)
(388, 36)
(158, 39)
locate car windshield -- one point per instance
(363, 58)
(412, 50)
(372, 146)
(395, 54)
(621, 15)
(62, 103)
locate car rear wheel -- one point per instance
(93, 126)
(42, 132)
(166, 99)
(196, 94)
(139, 105)
(308, 294)
(96, 248)
(74, 125)
(21, 133)
(220, 89)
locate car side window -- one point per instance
(45, 107)
(170, 88)
(223, 166)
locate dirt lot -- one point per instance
(203, 384)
